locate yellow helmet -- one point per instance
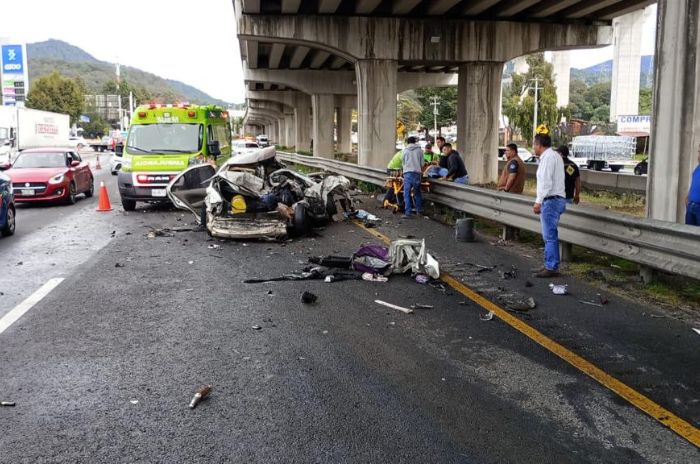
(542, 129)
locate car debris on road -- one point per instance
(253, 196)
(202, 393)
(393, 306)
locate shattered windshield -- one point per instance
(165, 138)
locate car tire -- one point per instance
(72, 193)
(301, 221)
(128, 205)
(615, 168)
(10, 224)
(91, 191)
(637, 171)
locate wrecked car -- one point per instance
(254, 196)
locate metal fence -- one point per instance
(660, 245)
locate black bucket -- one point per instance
(464, 230)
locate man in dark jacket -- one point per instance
(456, 171)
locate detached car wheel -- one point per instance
(9, 228)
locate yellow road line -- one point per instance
(658, 412)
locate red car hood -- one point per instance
(34, 174)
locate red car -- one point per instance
(50, 174)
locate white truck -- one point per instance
(603, 151)
(22, 128)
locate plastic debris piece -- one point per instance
(118, 265)
(422, 279)
(393, 306)
(421, 306)
(521, 305)
(308, 298)
(590, 303)
(697, 331)
(9, 404)
(368, 276)
(202, 393)
(256, 327)
(214, 246)
(134, 401)
(487, 317)
(559, 289)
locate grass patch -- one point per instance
(628, 203)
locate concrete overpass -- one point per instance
(369, 50)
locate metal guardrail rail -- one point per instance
(666, 246)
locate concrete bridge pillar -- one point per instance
(281, 132)
(376, 111)
(289, 126)
(675, 134)
(323, 109)
(344, 129)
(302, 128)
(478, 107)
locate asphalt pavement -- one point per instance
(103, 368)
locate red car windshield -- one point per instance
(40, 160)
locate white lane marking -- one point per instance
(19, 310)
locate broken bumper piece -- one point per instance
(247, 228)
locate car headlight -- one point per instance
(57, 179)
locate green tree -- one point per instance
(408, 109)
(58, 94)
(141, 94)
(447, 106)
(519, 97)
(97, 127)
(645, 101)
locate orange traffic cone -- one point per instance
(98, 166)
(103, 201)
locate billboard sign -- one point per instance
(13, 74)
(634, 123)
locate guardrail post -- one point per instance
(566, 252)
(509, 233)
(647, 274)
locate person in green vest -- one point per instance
(428, 155)
(396, 164)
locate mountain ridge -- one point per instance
(72, 61)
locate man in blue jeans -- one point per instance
(692, 201)
(412, 173)
(550, 203)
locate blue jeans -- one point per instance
(411, 181)
(692, 214)
(552, 210)
(436, 172)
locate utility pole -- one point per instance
(537, 104)
(119, 98)
(434, 102)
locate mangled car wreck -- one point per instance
(254, 196)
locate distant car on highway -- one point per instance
(7, 206)
(77, 142)
(642, 167)
(50, 174)
(243, 147)
(262, 141)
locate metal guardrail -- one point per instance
(660, 245)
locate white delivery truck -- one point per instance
(22, 128)
(603, 151)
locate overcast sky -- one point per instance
(191, 41)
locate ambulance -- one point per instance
(164, 140)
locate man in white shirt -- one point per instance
(550, 203)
